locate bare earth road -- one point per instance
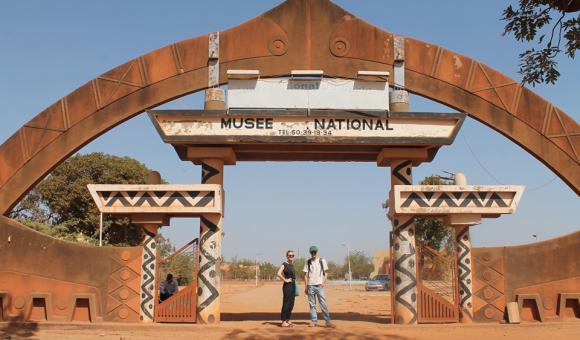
(253, 313)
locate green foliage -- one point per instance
(335, 272)
(431, 231)
(299, 266)
(63, 205)
(360, 264)
(180, 265)
(268, 271)
(526, 23)
(243, 269)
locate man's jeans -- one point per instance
(313, 292)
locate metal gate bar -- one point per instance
(181, 307)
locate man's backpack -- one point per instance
(321, 260)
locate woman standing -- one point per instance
(287, 274)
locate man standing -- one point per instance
(315, 274)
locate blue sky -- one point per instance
(50, 48)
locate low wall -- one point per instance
(538, 274)
(42, 278)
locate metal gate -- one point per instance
(181, 307)
(438, 300)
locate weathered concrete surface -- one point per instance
(298, 34)
(547, 268)
(68, 281)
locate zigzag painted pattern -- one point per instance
(459, 199)
(464, 271)
(148, 276)
(405, 268)
(207, 292)
(137, 199)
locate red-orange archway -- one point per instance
(298, 34)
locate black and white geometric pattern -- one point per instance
(405, 282)
(148, 276)
(136, 199)
(464, 272)
(209, 257)
(401, 173)
(405, 255)
(207, 172)
(208, 277)
(457, 199)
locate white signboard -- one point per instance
(298, 93)
(398, 130)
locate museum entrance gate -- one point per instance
(437, 300)
(300, 118)
(180, 307)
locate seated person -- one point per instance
(168, 288)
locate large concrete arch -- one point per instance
(298, 34)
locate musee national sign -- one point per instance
(321, 127)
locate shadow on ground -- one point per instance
(18, 330)
(382, 319)
(318, 333)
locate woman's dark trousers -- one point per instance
(289, 293)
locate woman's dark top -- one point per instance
(289, 272)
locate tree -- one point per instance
(543, 22)
(62, 205)
(431, 231)
(335, 271)
(268, 271)
(180, 265)
(360, 264)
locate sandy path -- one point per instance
(253, 313)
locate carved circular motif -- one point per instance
(19, 302)
(62, 304)
(278, 45)
(487, 293)
(486, 275)
(125, 255)
(123, 313)
(339, 47)
(413, 297)
(211, 318)
(488, 313)
(410, 232)
(124, 294)
(486, 257)
(125, 274)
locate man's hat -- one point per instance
(313, 248)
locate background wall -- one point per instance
(42, 278)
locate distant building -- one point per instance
(381, 262)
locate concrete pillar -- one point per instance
(210, 251)
(399, 101)
(148, 272)
(464, 274)
(215, 99)
(404, 283)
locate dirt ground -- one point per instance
(250, 312)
